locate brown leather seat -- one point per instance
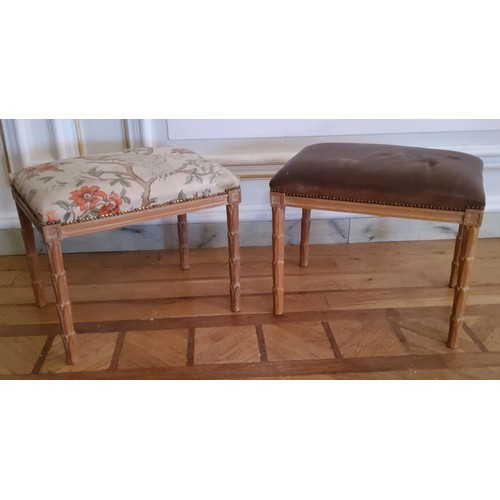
(384, 174)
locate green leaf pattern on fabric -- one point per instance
(95, 186)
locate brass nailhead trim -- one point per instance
(158, 205)
(410, 205)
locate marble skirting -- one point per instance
(254, 233)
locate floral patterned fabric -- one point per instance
(90, 187)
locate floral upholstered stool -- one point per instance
(93, 193)
(391, 181)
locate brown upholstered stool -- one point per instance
(383, 180)
(93, 193)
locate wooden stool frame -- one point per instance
(53, 234)
(469, 222)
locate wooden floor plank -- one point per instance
(154, 348)
(358, 337)
(298, 340)
(321, 300)
(220, 345)
(428, 335)
(195, 287)
(363, 311)
(302, 368)
(487, 249)
(340, 267)
(486, 328)
(19, 355)
(438, 312)
(95, 353)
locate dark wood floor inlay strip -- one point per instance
(117, 352)
(331, 339)
(474, 337)
(401, 337)
(238, 371)
(175, 322)
(262, 342)
(190, 347)
(43, 355)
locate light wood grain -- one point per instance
(63, 303)
(95, 353)
(233, 237)
(300, 340)
(470, 217)
(154, 348)
(360, 337)
(18, 355)
(381, 330)
(278, 214)
(218, 345)
(467, 255)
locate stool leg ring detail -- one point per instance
(182, 231)
(62, 297)
(233, 238)
(32, 258)
(468, 248)
(456, 256)
(278, 209)
(304, 237)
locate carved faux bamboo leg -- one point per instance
(467, 252)
(456, 256)
(233, 238)
(60, 284)
(182, 231)
(32, 258)
(304, 237)
(278, 208)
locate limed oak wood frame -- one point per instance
(469, 222)
(53, 234)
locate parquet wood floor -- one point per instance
(359, 311)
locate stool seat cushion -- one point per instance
(384, 174)
(90, 187)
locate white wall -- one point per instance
(224, 129)
(249, 147)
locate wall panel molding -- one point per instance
(4, 154)
(13, 145)
(246, 129)
(22, 142)
(64, 138)
(134, 131)
(28, 142)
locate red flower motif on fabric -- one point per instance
(88, 197)
(30, 172)
(50, 216)
(111, 205)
